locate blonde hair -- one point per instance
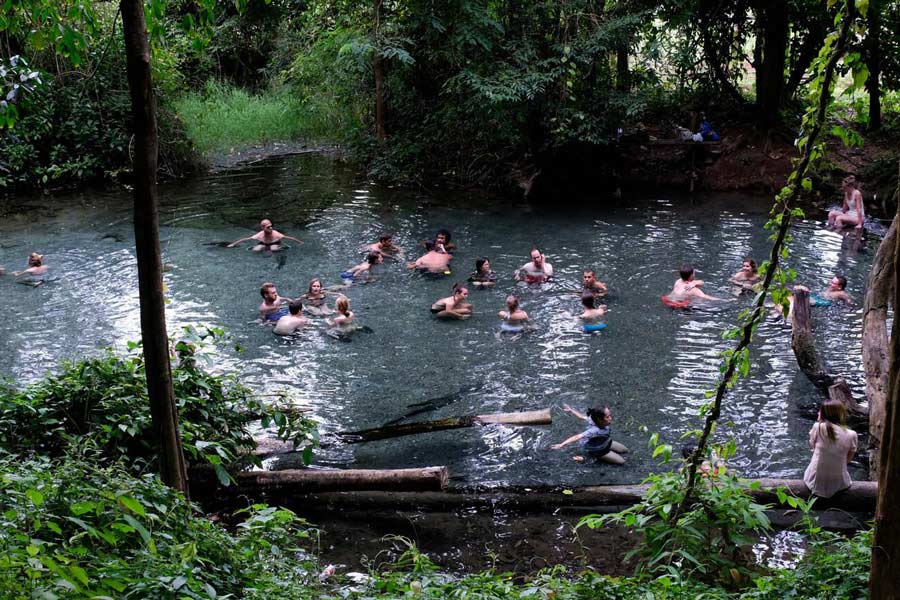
(35, 259)
(343, 305)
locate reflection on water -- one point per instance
(650, 365)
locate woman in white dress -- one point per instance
(833, 446)
(852, 211)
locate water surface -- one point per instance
(651, 365)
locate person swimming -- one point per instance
(290, 323)
(315, 298)
(590, 283)
(596, 440)
(345, 319)
(688, 288)
(455, 306)
(483, 276)
(592, 313)
(364, 269)
(536, 271)
(386, 247)
(514, 318)
(442, 242)
(432, 261)
(748, 276)
(36, 266)
(837, 290)
(267, 238)
(272, 307)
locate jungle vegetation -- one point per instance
(468, 91)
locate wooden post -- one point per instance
(146, 236)
(804, 343)
(840, 391)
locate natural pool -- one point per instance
(650, 365)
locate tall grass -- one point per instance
(220, 117)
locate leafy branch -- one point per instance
(737, 360)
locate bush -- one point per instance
(103, 401)
(71, 529)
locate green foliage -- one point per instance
(72, 529)
(103, 402)
(709, 538)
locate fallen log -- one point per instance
(536, 417)
(860, 496)
(803, 342)
(296, 481)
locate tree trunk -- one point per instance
(146, 233)
(807, 49)
(803, 342)
(623, 75)
(872, 47)
(840, 391)
(884, 580)
(879, 289)
(772, 32)
(537, 417)
(378, 68)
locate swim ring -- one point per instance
(675, 303)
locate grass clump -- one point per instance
(220, 117)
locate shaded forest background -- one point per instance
(477, 93)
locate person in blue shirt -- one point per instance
(596, 440)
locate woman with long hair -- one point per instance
(833, 446)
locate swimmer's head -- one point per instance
(343, 305)
(429, 246)
(482, 265)
(315, 286)
(537, 256)
(268, 291)
(386, 238)
(838, 282)
(686, 272)
(296, 307)
(512, 303)
(442, 237)
(849, 182)
(588, 277)
(35, 259)
(600, 416)
(587, 300)
(265, 225)
(749, 265)
(460, 291)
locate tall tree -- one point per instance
(378, 68)
(872, 47)
(884, 581)
(771, 44)
(146, 233)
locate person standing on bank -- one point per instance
(833, 446)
